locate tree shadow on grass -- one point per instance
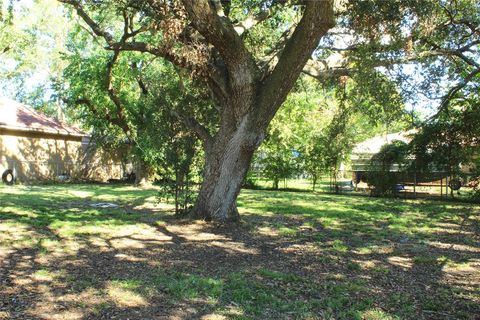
(311, 257)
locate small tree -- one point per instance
(450, 141)
(178, 171)
(279, 164)
(313, 158)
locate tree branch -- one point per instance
(141, 83)
(454, 90)
(114, 121)
(317, 19)
(320, 70)
(219, 32)
(123, 44)
(113, 94)
(92, 24)
(253, 20)
(267, 61)
(199, 129)
(326, 68)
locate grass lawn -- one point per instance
(294, 256)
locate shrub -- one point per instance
(386, 168)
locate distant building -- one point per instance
(363, 152)
(35, 147)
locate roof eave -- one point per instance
(37, 130)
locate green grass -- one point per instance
(295, 255)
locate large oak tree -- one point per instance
(247, 95)
(249, 76)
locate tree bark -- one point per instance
(227, 160)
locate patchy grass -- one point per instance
(295, 255)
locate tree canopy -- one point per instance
(31, 50)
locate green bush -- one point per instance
(387, 168)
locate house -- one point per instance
(363, 152)
(34, 147)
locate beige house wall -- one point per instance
(36, 156)
(101, 165)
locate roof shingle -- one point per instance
(17, 116)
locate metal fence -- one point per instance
(348, 182)
(409, 184)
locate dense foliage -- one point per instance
(314, 132)
(120, 98)
(388, 167)
(31, 51)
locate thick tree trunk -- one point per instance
(227, 160)
(143, 174)
(248, 98)
(275, 183)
